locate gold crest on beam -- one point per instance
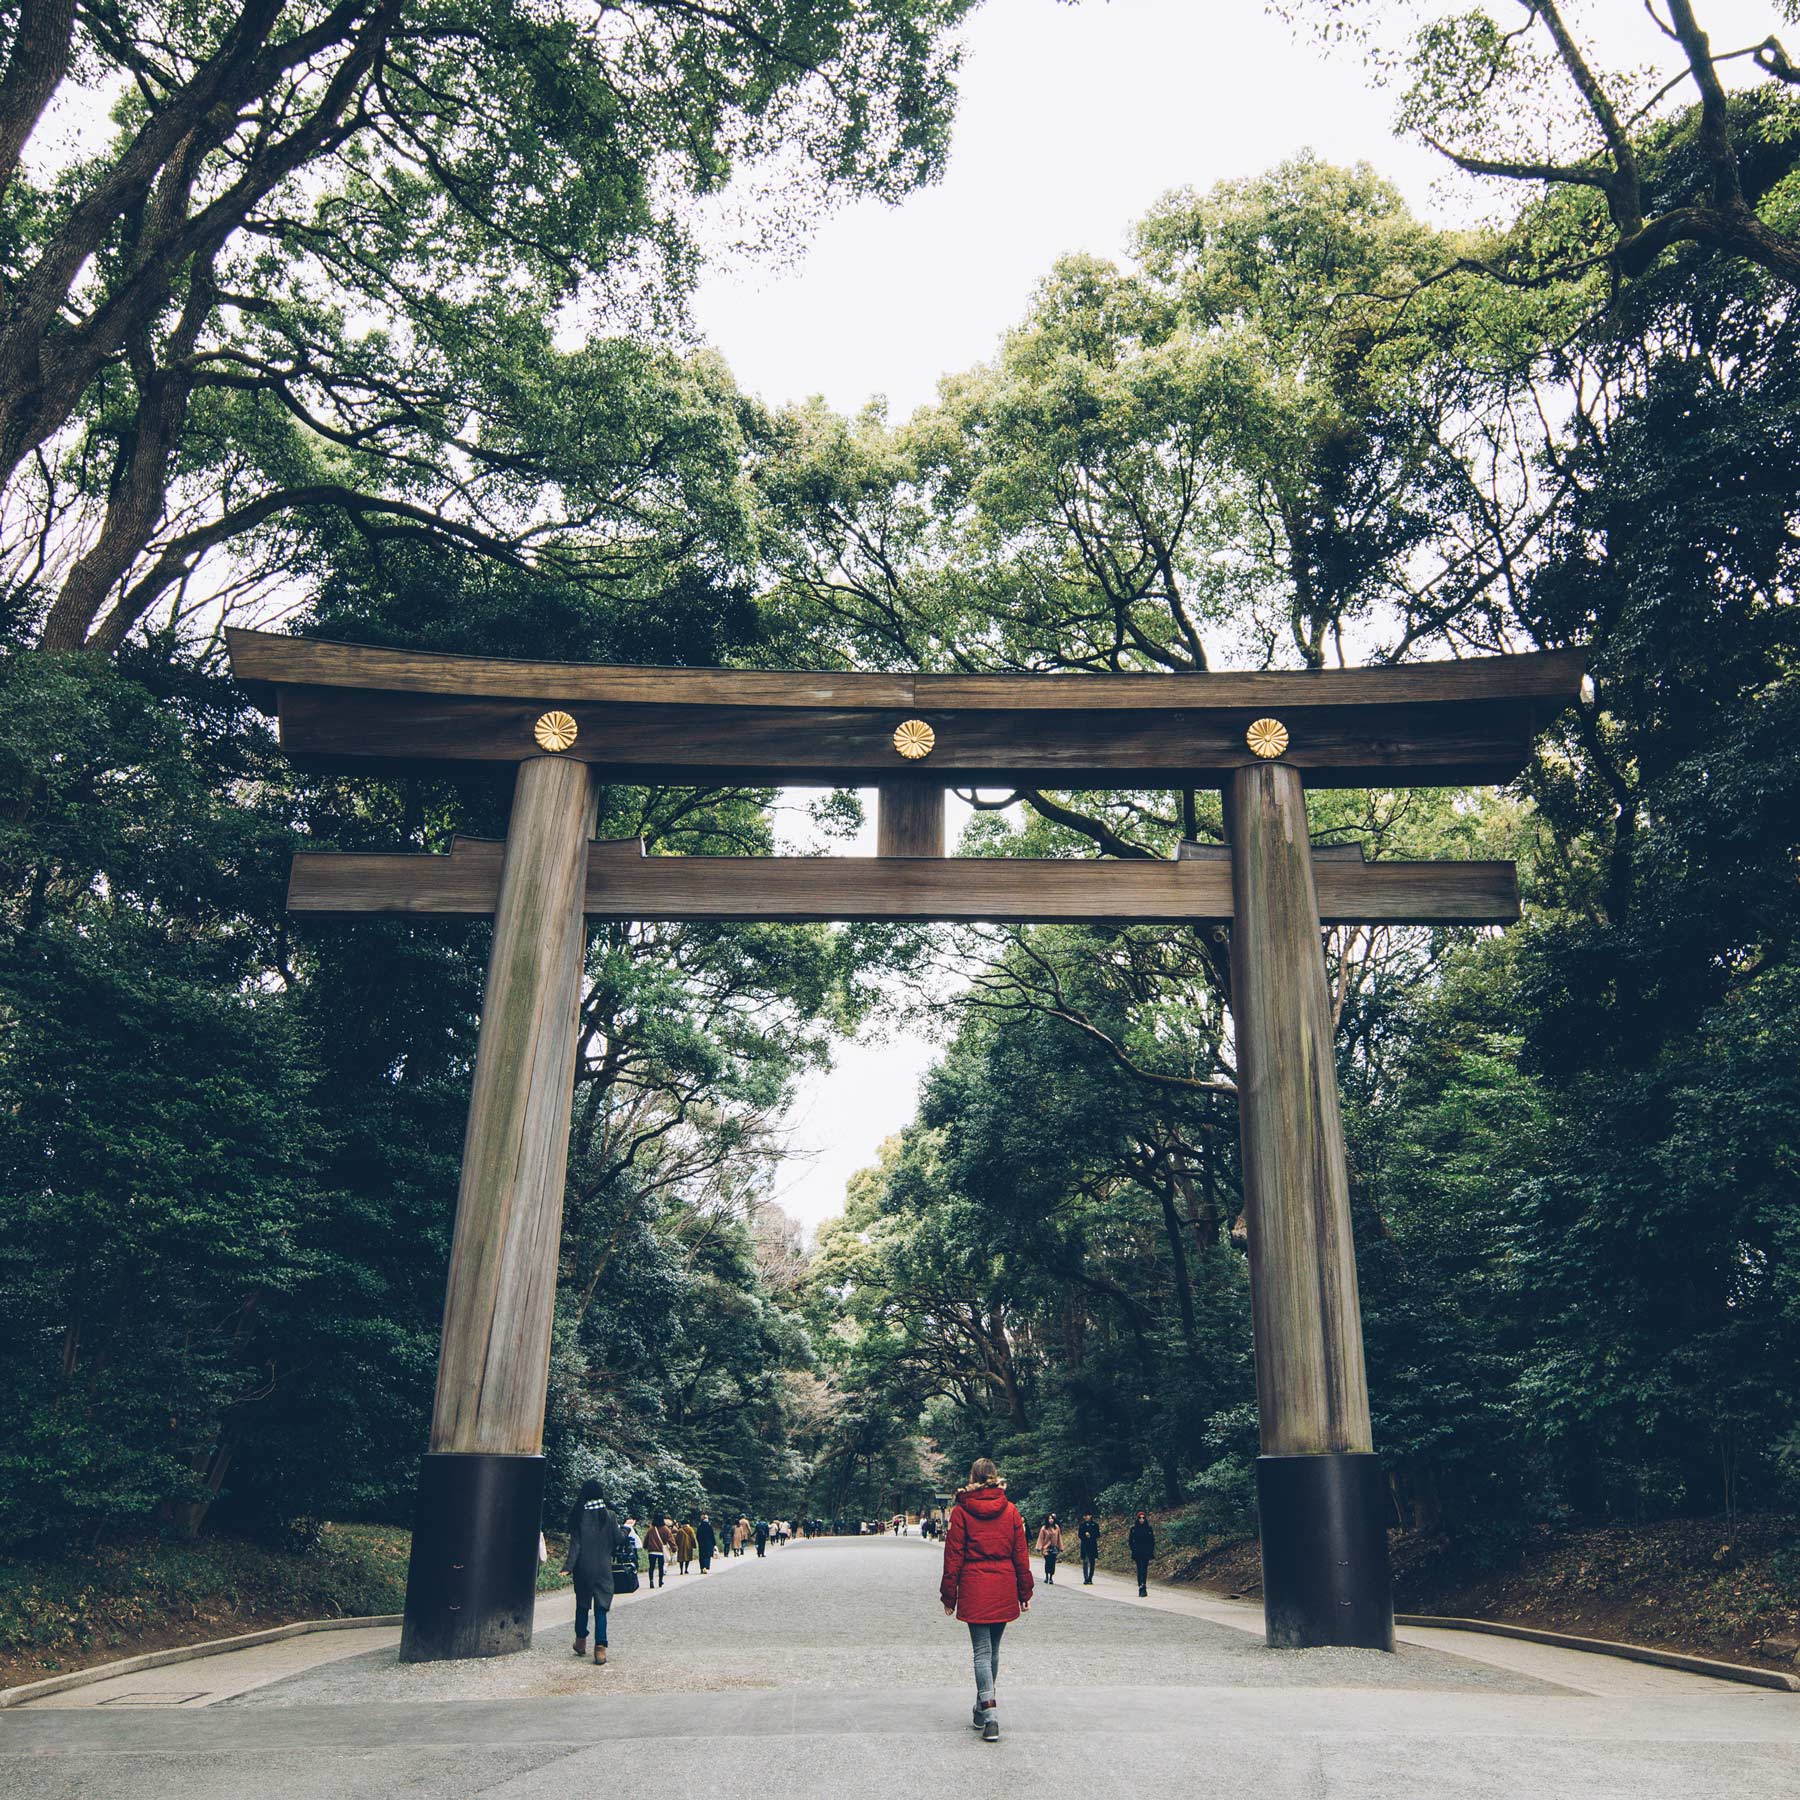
(1267, 738)
(914, 739)
(554, 731)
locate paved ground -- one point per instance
(827, 1669)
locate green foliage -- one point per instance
(1230, 448)
(373, 223)
(1301, 427)
(1574, 1191)
(66, 1609)
(155, 1144)
(228, 1157)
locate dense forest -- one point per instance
(289, 342)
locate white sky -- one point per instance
(1072, 122)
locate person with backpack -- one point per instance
(1141, 1541)
(986, 1580)
(1049, 1544)
(1087, 1535)
(762, 1537)
(706, 1541)
(595, 1539)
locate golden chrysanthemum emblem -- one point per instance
(1268, 738)
(913, 739)
(554, 731)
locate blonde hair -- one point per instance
(982, 1471)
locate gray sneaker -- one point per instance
(990, 1731)
(977, 1717)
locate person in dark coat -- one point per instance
(595, 1537)
(762, 1536)
(708, 1541)
(1141, 1541)
(986, 1580)
(1087, 1534)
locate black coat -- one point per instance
(596, 1536)
(709, 1539)
(1088, 1531)
(1142, 1541)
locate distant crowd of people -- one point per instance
(607, 1554)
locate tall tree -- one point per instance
(1532, 97)
(316, 259)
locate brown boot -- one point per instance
(581, 1646)
(599, 1653)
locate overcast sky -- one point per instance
(1073, 121)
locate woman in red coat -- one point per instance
(987, 1578)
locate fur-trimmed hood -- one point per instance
(987, 1501)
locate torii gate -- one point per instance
(1261, 737)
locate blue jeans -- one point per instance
(585, 1597)
(985, 1642)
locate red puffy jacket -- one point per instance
(987, 1568)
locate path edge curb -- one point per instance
(1666, 1659)
(180, 1653)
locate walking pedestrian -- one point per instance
(595, 1537)
(762, 1536)
(986, 1580)
(1087, 1533)
(685, 1545)
(1141, 1541)
(657, 1545)
(706, 1541)
(1049, 1543)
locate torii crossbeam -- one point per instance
(1262, 738)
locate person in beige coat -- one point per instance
(687, 1546)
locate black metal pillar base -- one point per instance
(472, 1582)
(1325, 1552)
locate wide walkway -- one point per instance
(827, 1669)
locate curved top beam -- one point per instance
(265, 660)
(355, 705)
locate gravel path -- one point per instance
(848, 1614)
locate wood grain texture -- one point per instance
(494, 1364)
(909, 819)
(1311, 1388)
(624, 883)
(1467, 740)
(266, 660)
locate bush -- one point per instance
(1125, 1497)
(1226, 1495)
(657, 1483)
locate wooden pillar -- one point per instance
(909, 819)
(1320, 1491)
(471, 1585)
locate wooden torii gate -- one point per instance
(566, 726)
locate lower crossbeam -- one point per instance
(624, 883)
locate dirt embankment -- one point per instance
(1705, 1586)
(123, 1598)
